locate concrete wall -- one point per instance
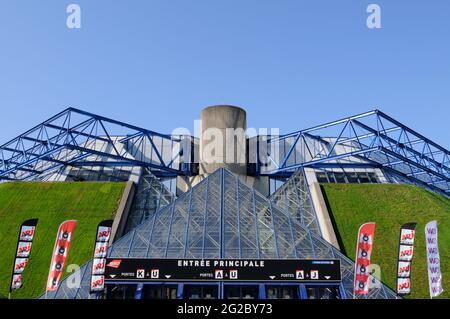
(121, 217)
(323, 216)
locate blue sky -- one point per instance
(292, 64)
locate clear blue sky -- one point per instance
(292, 64)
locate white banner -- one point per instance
(434, 264)
(104, 230)
(98, 266)
(103, 233)
(97, 283)
(27, 233)
(404, 286)
(405, 256)
(101, 248)
(23, 251)
(404, 269)
(405, 253)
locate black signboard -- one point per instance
(298, 270)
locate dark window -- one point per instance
(340, 178)
(250, 292)
(232, 292)
(331, 177)
(282, 292)
(346, 177)
(200, 292)
(373, 177)
(121, 292)
(363, 178)
(241, 292)
(322, 292)
(322, 177)
(159, 292)
(352, 178)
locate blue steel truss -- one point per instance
(75, 138)
(80, 139)
(370, 139)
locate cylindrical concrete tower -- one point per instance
(223, 139)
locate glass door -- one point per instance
(160, 292)
(282, 292)
(322, 292)
(201, 291)
(241, 292)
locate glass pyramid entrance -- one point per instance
(221, 217)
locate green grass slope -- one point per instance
(391, 206)
(52, 203)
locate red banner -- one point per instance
(23, 251)
(60, 253)
(363, 253)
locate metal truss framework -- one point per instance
(370, 139)
(76, 138)
(222, 218)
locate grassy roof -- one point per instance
(391, 206)
(52, 203)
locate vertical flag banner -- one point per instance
(364, 247)
(100, 249)
(405, 256)
(60, 253)
(434, 263)
(23, 251)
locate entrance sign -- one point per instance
(296, 270)
(434, 263)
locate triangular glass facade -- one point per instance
(221, 217)
(294, 197)
(150, 196)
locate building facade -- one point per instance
(190, 199)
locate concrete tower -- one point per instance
(223, 139)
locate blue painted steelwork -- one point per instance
(371, 139)
(75, 138)
(78, 138)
